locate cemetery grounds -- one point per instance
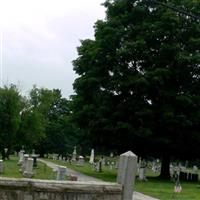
(154, 187)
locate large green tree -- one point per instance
(139, 80)
(10, 106)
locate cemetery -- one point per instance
(105, 171)
(129, 129)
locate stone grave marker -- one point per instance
(91, 161)
(126, 173)
(28, 168)
(1, 166)
(61, 172)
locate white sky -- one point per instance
(40, 39)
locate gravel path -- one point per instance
(82, 177)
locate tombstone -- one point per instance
(92, 157)
(195, 169)
(60, 158)
(74, 154)
(103, 162)
(111, 154)
(61, 172)
(6, 153)
(116, 164)
(126, 173)
(25, 158)
(28, 168)
(142, 171)
(99, 166)
(111, 165)
(80, 161)
(21, 158)
(54, 157)
(34, 156)
(1, 166)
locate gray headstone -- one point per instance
(126, 173)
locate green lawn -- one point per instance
(154, 187)
(11, 169)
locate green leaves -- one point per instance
(139, 78)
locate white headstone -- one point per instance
(21, 157)
(92, 157)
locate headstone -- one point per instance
(1, 166)
(195, 169)
(99, 166)
(80, 161)
(92, 157)
(126, 173)
(142, 171)
(61, 172)
(21, 157)
(34, 156)
(103, 162)
(28, 168)
(111, 154)
(25, 158)
(74, 154)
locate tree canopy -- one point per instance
(139, 80)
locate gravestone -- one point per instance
(142, 171)
(195, 169)
(34, 156)
(80, 161)
(25, 158)
(21, 157)
(126, 173)
(74, 154)
(28, 168)
(92, 157)
(61, 172)
(1, 166)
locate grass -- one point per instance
(154, 187)
(12, 170)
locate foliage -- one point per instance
(10, 107)
(139, 81)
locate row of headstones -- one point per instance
(79, 160)
(27, 162)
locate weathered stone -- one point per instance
(27, 189)
(91, 161)
(28, 168)
(126, 173)
(61, 172)
(21, 157)
(1, 166)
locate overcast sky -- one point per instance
(40, 39)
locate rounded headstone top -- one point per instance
(128, 154)
(81, 157)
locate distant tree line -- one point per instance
(40, 121)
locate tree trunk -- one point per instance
(165, 173)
